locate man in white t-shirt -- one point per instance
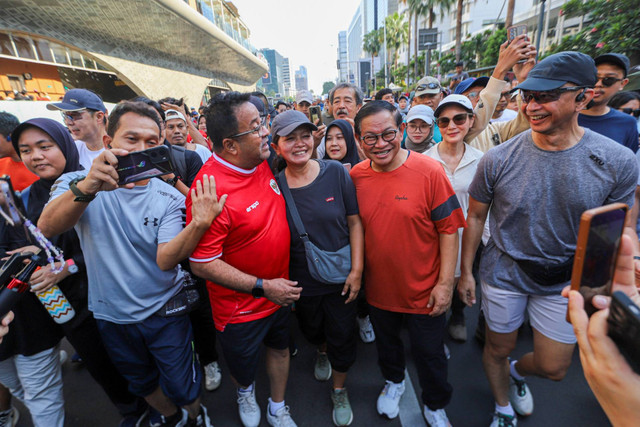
(85, 116)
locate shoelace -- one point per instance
(391, 390)
(341, 399)
(284, 417)
(520, 385)
(504, 420)
(249, 404)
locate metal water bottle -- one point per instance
(56, 304)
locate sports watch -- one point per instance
(80, 196)
(72, 268)
(258, 290)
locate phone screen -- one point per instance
(602, 247)
(145, 164)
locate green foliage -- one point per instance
(327, 86)
(491, 50)
(397, 30)
(613, 27)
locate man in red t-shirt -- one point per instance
(10, 163)
(410, 216)
(244, 256)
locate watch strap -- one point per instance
(80, 196)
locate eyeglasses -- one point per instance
(72, 115)
(428, 86)
(458, 119)
(263, 124)
(631, 111)
(422, 128)
(387, 136)
(608, 81)
(473, 94)
(545, 96)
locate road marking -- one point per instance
(410, 408)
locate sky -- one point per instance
(305, 31)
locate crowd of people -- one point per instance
(417, 199)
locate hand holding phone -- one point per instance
(314, 115)
(145, 164)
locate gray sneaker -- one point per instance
(322, 368)
(342, 414)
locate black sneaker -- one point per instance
(503, 420)
(202, 420)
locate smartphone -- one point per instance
(624, 328)
(9, 204)
(597, 250)
(513, 32)
(144, 164)
(314, 114)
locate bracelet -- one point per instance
(80, 196)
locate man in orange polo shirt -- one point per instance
(10, 163)
(411, 217)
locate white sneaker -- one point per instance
(212, 376)
(282, 418)
(437, 418)
(10, 417)
(248, 408)
(502, 420)
(366, 330)
(520, 397)
(389, 399)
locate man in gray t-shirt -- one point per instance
(537, 185)
(132, 239)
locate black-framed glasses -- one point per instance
(608, 81)
(631, 111)
(458, 119)
(428, 86)
(263, 124)
(72, 115)
(545, 96)
(387, 136)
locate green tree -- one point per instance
(327, 86)
(613, 27)
(397, 34)
(371, 44)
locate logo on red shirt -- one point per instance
(274, 186)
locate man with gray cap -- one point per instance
(85, 116)
(534, 222)
(611, 79)
(304, 99)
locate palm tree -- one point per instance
(397, 34)
(459, 28)
(509, 19)
(371, 44)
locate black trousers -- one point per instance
(326, 318)
(85, 339)
(426, 335)
(204, 330)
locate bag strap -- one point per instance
(291, 206)
(24, 194)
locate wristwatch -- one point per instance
(172, 181)
(258, 290)
(72, 268)
(80, 196)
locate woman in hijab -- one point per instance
(340, 143)
(47, 150)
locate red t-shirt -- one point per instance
(21, 177)
(403, 212)
(251, 234)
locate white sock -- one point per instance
(275, 406)
(245, 390)
(514, 372)
(506, 410)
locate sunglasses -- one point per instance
(631, 111)
(428, 86)
(545, 96)
(608, 81)
(458, 119)
(72, 115)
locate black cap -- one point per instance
(460, 64)
(617, 59)
(560, 68)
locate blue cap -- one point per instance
(79, 99)
(560, 68)
(466, 84)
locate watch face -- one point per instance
(73, 269)
(257, 292)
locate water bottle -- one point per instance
(56, 304)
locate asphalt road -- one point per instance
(565, 403)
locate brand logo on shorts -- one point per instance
(274, 186)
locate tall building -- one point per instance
(302, 83)
(342, 56)
(354, 47)
(274, 81)
(286, 77)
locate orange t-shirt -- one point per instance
(403, 212)
(21, 177)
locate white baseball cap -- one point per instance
(422, 112)
(459, 100)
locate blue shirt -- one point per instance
(620, 127)
(119, 233)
